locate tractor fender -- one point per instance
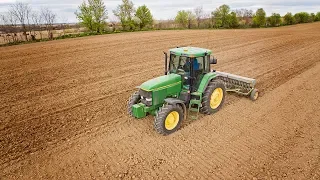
(175, 101)
(205, 81)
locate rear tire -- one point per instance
(134, 99)
(168, 119)
(254, 94)
(213, 97)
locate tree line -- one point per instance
(223, 17)
(21, 22)
(93, 15)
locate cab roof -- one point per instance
(190, 51)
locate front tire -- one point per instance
(134, 99)
(213, 97)
(168, 119)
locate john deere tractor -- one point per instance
(189, 85)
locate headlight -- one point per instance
(146, 97)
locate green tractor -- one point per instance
(189, 85)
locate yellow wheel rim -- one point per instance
(172, 120)
(216, 98)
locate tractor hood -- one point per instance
(161, 82)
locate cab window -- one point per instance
(200, 62)
(177, 62)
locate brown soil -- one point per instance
(63, 108)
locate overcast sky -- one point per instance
(165, 9)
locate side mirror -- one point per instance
(213, 61)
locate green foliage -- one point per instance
(222, 14)
(85, 16)
(233, 21)
(312, 17)
(218, 23)
(93, 15)
(185, 18)
(289, 19)
(224, 18)
(259, 19)
(100, 14)
(182, 18)
(198, 11)
(317, 18)
(125, 13)
(274, 19)
(136, 22)
(191, 17)
(145, 16)
(302, 17)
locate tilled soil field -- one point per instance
(63, 108)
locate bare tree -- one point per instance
(37, 21)
(11, 19)
(239, 13)
(248, 15)
(212, 20)
(199, 15)
(10, 26)
(21, 12)
(207, 20)
(64, 24)
(244, 14)
(29, 13)
(2, 26)
(190, 17)
(49, 18)
(2, 23)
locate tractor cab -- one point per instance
(191, 63)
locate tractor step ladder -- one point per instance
(197, 103)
